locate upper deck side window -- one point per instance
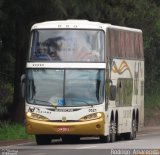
(67, 45)
(124, 44)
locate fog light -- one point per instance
(99, 114)
(29, 114)
(98, 126)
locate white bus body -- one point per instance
(83, 79)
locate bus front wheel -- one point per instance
(105, 139)
(112, 132)
(43, 139)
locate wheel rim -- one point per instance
(113, 132)
(134, 129)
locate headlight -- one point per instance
(36, 116)
(91, 116)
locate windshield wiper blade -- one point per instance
(41, 101)
(79, 100)
(45, 102)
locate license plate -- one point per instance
(63, 129)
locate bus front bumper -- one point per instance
(86, 128)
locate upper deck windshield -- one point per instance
(67, 45)
(52, 87)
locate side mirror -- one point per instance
(23, 77)
(112, 92)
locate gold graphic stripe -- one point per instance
(122, 68)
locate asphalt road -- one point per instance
(146, 143)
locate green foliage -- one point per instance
(10, 131)
(6, 98)
(152, 98)
(152, 106)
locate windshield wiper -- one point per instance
(34, 100)
(79, 100)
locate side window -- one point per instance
(112, 95)
(142, 88)
(121, 44)
(141, 46)
(119, 98)
(124, 44)
(137, 47)
(112, 44)
(124, 92)
(132, 54)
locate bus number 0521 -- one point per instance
(92, 110)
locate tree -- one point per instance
(17, 17)
(21, 15)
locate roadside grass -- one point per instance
(152, 108)
(12, 131)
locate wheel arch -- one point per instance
(137, 119)
(112, 116)
(133, 115)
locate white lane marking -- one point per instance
(38, 154)
(19, 144)
(27, 143)
(86, 147)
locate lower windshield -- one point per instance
(65, 87)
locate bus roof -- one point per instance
(69, 24)
(79, 24)
(124, 28)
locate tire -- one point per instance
(112, 132)
(43, 139)
(134, 129)
(131, 135)
(105, 139)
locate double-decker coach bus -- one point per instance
(84, 79)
